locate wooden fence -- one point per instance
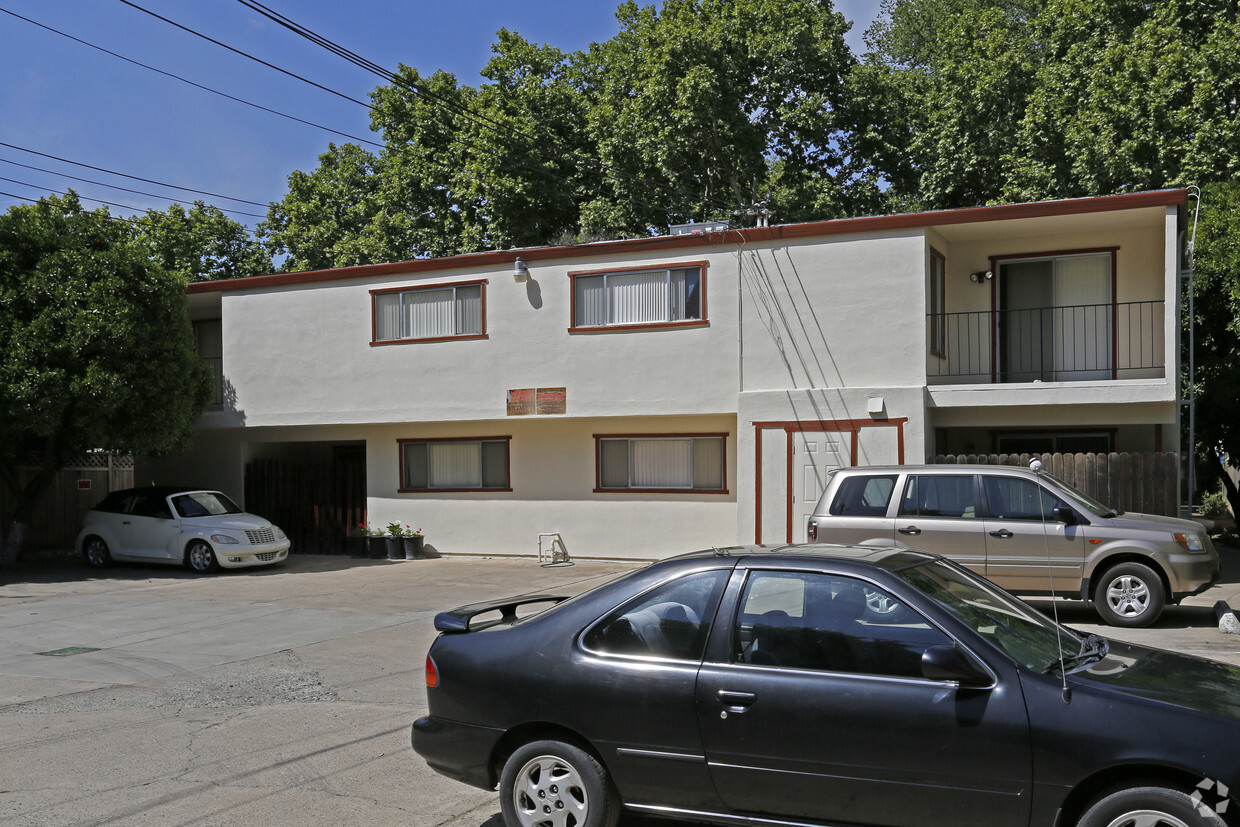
(80, 485)
(1145, 483)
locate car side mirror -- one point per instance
(947, 663)
(1066, 515)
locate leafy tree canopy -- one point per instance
(202, 243)
(96, 349)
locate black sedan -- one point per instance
(822, 685)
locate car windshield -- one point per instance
(1028, 636)
(204, 504)
(1083, 500)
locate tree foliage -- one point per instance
(96, 349)
(202, 243)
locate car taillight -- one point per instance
(813, 531)
(432, 673)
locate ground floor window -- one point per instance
(455, 464)
(664, 462)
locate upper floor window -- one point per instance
(938, 327)
(455, 464)
(420, 314)
(690, 463)
(640, 298)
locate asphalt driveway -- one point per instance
(145, 695)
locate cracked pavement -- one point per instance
(264, 696)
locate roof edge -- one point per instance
(780, 232)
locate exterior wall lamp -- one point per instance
(519, 271)
(979, 277)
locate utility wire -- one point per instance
(503, 130)
(114, 186)
(247, 55)
(192, 83)
(130, 177)
(36, 200)
(63, 192)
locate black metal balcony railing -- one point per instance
(1077, 343)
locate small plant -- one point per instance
(1214, 504)
(394, 529)
(359, 530)
(377, 532)
(411, 532)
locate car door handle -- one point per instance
(910, 530)
(735, 701)
(1003, 532)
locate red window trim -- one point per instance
(376, 342)
(684, 265)
(598, 470)
(401, 465)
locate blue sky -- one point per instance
(65, 99)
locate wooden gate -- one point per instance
(1145, 483)
(315, 503)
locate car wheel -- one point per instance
(96, 552)
(201, 557)
(1151, 807)
(553, 784)
(1129, 594)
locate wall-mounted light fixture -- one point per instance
(981, 276)
(519, 271)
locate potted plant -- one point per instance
(376, 542)
(413, 543)
(356, 541)
(395, 541)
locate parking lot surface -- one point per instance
(145, 695)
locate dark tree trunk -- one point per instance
(1229, 486)
(26, 497)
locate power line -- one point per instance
(36, 200)
(193, 83)
(63, 192)
(114, 186)
(130, 177)
(482, 120)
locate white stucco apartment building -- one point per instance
(651, 396)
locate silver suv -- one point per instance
(1028, 531)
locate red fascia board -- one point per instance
(780, 232)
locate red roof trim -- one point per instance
(780, 232)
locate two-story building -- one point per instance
(650, 396)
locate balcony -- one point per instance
(1069, 343)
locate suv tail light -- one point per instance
(812, 532)
(432, 673)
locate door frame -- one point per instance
(851, 426)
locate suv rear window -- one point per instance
(863, 496)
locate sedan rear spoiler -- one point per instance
(458, 619)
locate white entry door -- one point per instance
(814, 455)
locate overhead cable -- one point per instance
(193, 83)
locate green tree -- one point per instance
(96, 349)
(703, 107)
(1217, 332)
(202, 243)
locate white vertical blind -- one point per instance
(1083, 330)
(387, 316)
(469, 310)
(455, 465)
(614, 463)
(428, 314)
(637, 297)
(662, 463)
(590, 301)
(708, 463)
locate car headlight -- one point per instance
(1190, 542)
(224, 539)
(279, 533)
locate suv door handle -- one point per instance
(910, 530)
(1003, 532)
